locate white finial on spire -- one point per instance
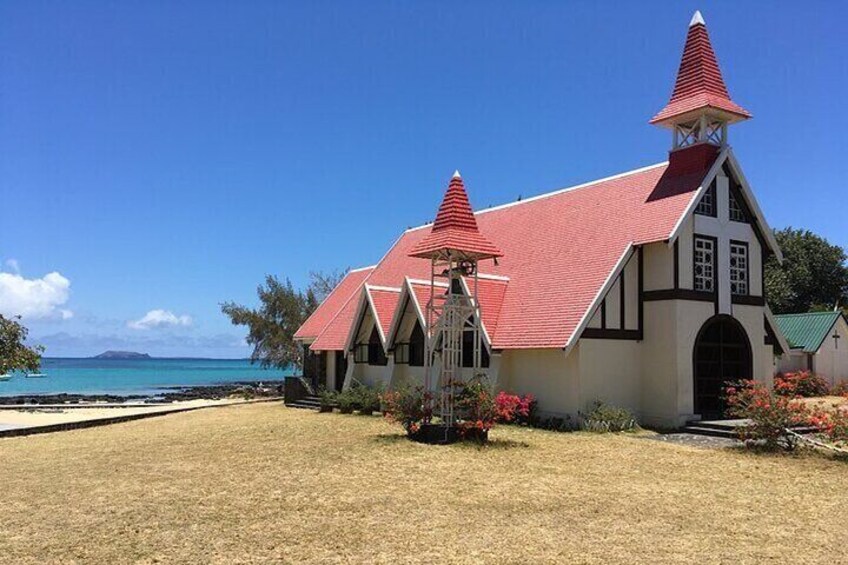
(697, 18)
(456, 174)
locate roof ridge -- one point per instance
(556, 192)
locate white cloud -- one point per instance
(33, 298)
(159, 319)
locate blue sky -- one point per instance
(162, 157)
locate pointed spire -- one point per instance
(456, 174)
(455, 228)
(697, 18)
(699, 82)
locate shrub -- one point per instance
(832, 426)
(475, 407)
(841, 389)
(512, 408)
(347, 400)
(327, 399)
(405, 406)
(367, 399)
(604, 418)
(554, 424)
(772, 415)
(800, 384)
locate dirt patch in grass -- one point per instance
(262, 482)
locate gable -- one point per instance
(379, 303)
(329, 308)
(727, 161)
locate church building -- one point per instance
(643, 290)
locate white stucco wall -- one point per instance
(546, 374)
(610, 371)
(831, 360)
(792, 362)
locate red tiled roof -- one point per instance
(335, 301)
(559, 249)
(699, 82)
(385, 302)
(455, 228)
(490, 293)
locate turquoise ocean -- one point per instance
(134, 376)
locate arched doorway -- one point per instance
(722, 354)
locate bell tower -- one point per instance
(700, 108)
(454, 247)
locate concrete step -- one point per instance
(710, 431)
(722, 425)
(302, 405)
(311, 402)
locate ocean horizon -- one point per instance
(123, 377)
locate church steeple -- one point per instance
(455, 229)
(700, 108)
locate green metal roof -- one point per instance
(806, 331)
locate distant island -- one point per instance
(122, 355)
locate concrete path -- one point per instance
(34, 419)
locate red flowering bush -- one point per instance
(475, 407)
(514, 408)
(772, 415)
(406, 407)
(832, 425)
(841, 389)
(800, 384)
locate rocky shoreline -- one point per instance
(241, 389)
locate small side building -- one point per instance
(818, 342)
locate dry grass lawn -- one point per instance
(262, 483)
(826, 402)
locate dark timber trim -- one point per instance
(598, 333)
(677, 263)
(748, 300)
(678, 294)
(604, 314)
(641, 290)
(622, 320)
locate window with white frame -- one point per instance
(707, 205)
(704, 264)
(737, 213)
(738, 267)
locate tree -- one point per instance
(322, 284)
(282, 310)
(14, 355)
(814, 275)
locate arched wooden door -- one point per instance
(722, 354)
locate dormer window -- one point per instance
(412, 352)
(376, 355)
(360, 353)
(416, 346)
(737, 213)
(707, 205)
(468, 347)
